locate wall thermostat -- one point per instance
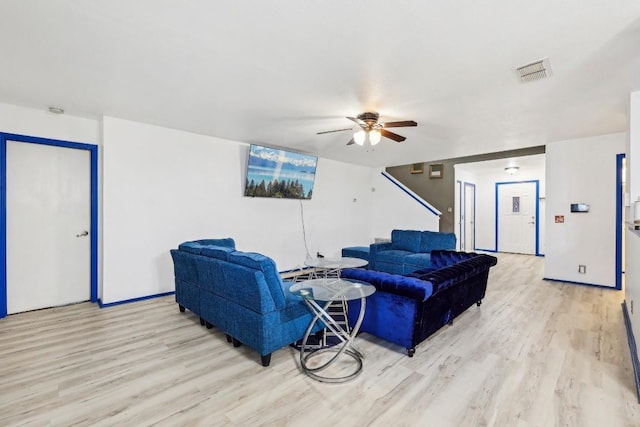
(579, 207)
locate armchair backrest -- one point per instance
(196, 246)
(269, 271)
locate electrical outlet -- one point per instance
(582, 269)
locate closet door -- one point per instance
(48, 226)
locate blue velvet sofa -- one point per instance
(405, 310)
(240, 293)
(408, 250)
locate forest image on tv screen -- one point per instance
(278, 173)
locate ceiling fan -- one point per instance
(372, 129)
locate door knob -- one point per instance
(84, 233)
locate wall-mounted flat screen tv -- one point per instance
(272, 172)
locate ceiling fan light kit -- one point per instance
(372, 130)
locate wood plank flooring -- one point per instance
(535, 353)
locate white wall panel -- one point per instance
(393, 208)
(164, 186)
(632, 262)
(43, 124)
(582, 171)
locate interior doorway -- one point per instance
(469, 217)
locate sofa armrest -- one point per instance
(374, 249)
(409, 287)
(379, 247)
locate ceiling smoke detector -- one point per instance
(534, 71)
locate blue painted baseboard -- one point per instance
(127, 301)
(549, 279)
(632, 347)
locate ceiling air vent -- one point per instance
(534, 71)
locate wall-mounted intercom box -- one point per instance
(579, 207)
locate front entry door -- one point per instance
(48, 226)
(517, 217)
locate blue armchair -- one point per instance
(240, 293)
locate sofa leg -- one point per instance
(201, 321)
(181, 307)
(236, 343)
(479, 303)
(411, 351)
(208, 325)
(229, 339)
(266, 359)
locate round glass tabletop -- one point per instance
(336, 263)
(332, 289)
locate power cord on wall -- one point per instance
(304, 232)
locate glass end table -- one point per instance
(325, 291)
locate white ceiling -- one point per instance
(277, 72)
(526, 164)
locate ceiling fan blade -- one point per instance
(391, 135)
(351, 142)
(401, 124)
(358, 121)
(331, 131)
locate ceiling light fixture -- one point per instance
(374, 136)
(56, 110)
(511, 169)
(359, 137)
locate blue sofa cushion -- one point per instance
(393, 256)
(268, 267)
(409, 287)
(191, 247)
(420, 272)
(218, 252)
(406, 240)
(226, 242)
(419, 260)
(361, 252)
(432, 240)
(444, 258)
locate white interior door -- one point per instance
(517, 218)
(48, 226)
(469, 217)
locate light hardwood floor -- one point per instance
(535, 353)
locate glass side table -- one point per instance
(331, 267)
(326, 291)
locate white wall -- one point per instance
(163, 186)
(485, 180)
(43, 124)
(582, 171)
(632, 264)
(393, 208)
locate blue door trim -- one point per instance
(93, 150)
(537, 210)
(619, 195)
